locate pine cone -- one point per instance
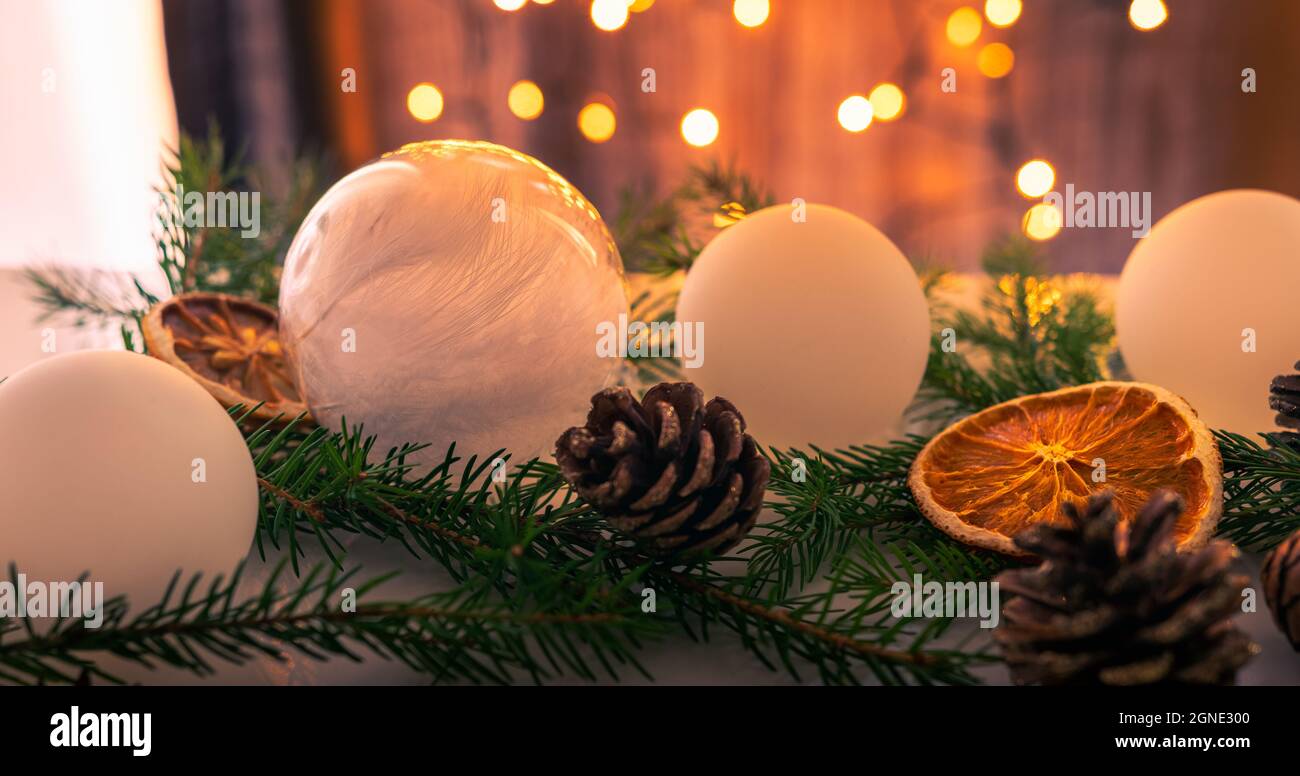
(1284, 399)
(1280, 577)
(1117, 604)
(671, 472)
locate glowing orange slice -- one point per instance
(988, 477)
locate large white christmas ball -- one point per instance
(451, 292)
(116, 464)
(816, 327)
(1206, 305)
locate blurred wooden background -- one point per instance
(1112, 108)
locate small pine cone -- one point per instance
(1280, 577)
(1117, 604)
(1284, 399)
(673, 473)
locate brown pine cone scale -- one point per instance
(675, 474)
(1117, 604)
(1280, 578)
(1284, 399)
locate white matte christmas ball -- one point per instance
(99, 459)
(450, 292)
(816, 329)
(1206, 305)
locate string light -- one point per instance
(1147, 14)
(525, 100)
(1042, 222)
(700, 127)
(510, 5)
(424, 101)
(887, 101)
(855, 113)
(1002, 13)
(609, 15)
(596, 121)
(1035, 178)
(964, 26)
(996, 60)
(751, 13)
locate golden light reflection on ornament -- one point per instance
(1147, 14)
(424, 101)
(1035, 178)
(1042, 222)
(751, 13)
(996, 60)
(1002, 13)
(964, 26)
(887, 102)
(525, 100)
(596, 122)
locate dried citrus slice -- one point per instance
(230, 346)
(988, 477)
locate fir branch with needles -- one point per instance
(455, 636)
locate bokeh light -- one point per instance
(424, 101)
(1002, 13)
(1035, 178)
(543, 2)
(596, 121)
(887, 101)
(525, 100)
(637, 6)
(855, 113)
(964, 26)
(996, 60)
(1147, 14)
(700, 127)
(751, 13)
(510, 5)
(1042, 222)
(609, 15)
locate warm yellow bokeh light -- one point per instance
(887, 101)
(637, 6)
(996, 60)
(1035, 178)
(1042, 222)
(525, 100)
(424, 101)
(751, 13)
(1002, 13)
(1147, 14)
(964, 26)
(700, 127)
(596, 122)
(510, 5)
(543, 2)
(609, 15)
(855, 113)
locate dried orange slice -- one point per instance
(991, 475)
(231, 347)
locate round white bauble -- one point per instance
(816, 329)
(99, 459)
(450, 292)
(1205, 305)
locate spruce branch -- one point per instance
(454, 636)
(1261, 488)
